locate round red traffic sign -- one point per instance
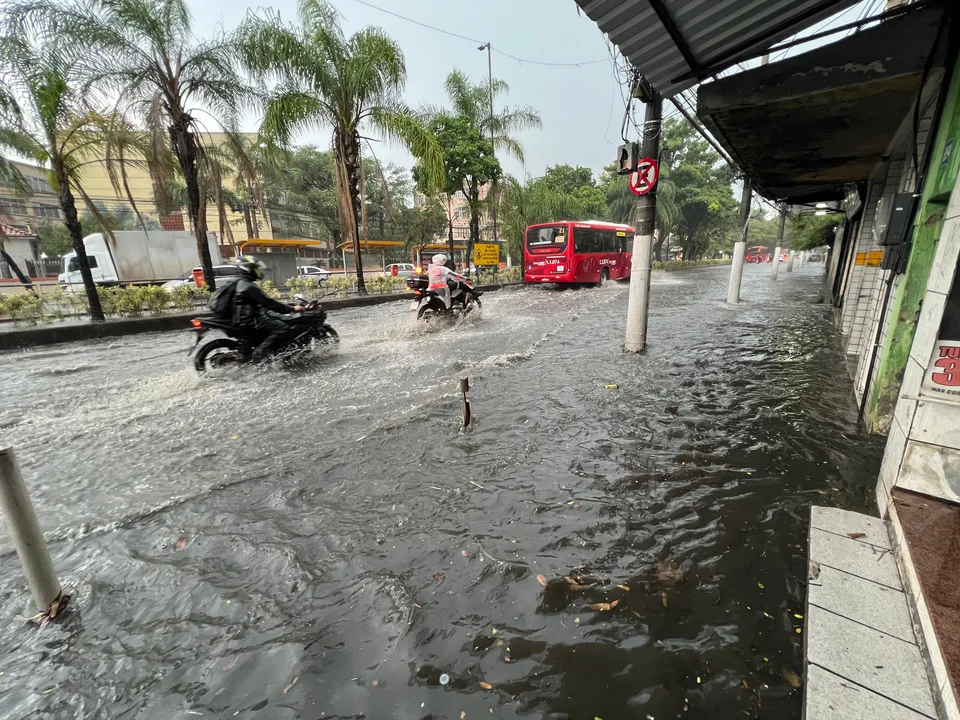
(645, 177)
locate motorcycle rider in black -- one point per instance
(250, 304)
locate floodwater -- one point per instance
(326, 542)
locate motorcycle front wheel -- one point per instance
(326, 335)
(215, 354)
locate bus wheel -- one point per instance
(604, 276)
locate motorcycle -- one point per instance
(428, 303)
(307, 329)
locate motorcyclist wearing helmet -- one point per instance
(442, 279)
(250, 304)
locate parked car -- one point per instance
(313, 271)
(219, 271)
(399, 270)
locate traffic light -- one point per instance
(627, 157)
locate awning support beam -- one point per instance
(674, 32)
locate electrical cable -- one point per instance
(478, 42)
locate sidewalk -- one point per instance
(862, 657)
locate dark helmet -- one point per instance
(251, 268)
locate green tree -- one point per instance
(762, 230)
(419, 226)
(476, 104)
(45, 122)
(622, 205)
(304, 181)
(325, 79)
(468, 163)
(808, 231)
(144, 52)
(566, 179)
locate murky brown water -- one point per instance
(345, 545)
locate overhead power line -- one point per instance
(478, 42)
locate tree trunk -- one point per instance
(246, 220)
(69, 208)
(347, 151)
(254, 225)
(658, 248)
(450, 248)
(185, 147)
(474, 235)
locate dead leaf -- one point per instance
(542, 580)
(856, 535)
(437, 576)
(664, 599)
(462, 715)
(292, 683)
(603, 607)
(791, 677)
(485, 685)
(463, 552)
(181, 543)
(624, 588)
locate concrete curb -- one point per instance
(52, 335)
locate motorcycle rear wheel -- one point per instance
(215, 354)
(434, 308)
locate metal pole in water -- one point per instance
(645, 218)
(776, 256)
(26, 534)
(740, 248)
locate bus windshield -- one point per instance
(551, 239)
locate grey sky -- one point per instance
(582, 107)
(576, 103)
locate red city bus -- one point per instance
(577, 252)
(757, 254)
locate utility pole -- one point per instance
(740, 247)
(776, 256)
(493, 203)
(645, 221)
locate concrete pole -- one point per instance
(790, 262)
(776, 256)
(645, 221)
(26, 534)
(740, 248)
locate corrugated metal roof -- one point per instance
(703, 32)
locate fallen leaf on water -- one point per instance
(791, 677)
(856, 535)
(437, 576)
(624, 588)
(464, 553)
(485, 685)
(760, 585)
(494, 631)
(663, 599)
(234, 437)
(604, 607)
(542, 580)
(462, 715)
(292, 683)
(577, 620)
(745, 686)
(798, 616)
(181, 543)
(698, 679)
(799, 630)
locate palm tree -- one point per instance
(473, 103)
(623, 206)
(528, 204)
(325, 79)
(12, 179)
(144, 52)
(46, 123)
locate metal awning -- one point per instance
(677, 43)
(802, 128)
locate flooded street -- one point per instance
(327, 542)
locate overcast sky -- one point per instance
(581, 107)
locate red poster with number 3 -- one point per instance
(943, 373)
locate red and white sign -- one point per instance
(943, 374)
(643, 180)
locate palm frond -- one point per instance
(399, 124)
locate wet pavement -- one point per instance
(326, 542)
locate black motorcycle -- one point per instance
(464, 299)
(306, 330)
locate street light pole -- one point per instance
(493, 204)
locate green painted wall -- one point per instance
(905, 302)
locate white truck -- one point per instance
(138, 258)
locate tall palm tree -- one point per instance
(325, 79)
(623, 207)
(473, 103)
(46, 123)
(144, 52)
(523, 204)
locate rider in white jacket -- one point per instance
(442, 279)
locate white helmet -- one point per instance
(439, 259)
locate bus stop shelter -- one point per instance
(368, 246)
(277, 245)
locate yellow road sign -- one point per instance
(486, 254)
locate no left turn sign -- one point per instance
(643, 180)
